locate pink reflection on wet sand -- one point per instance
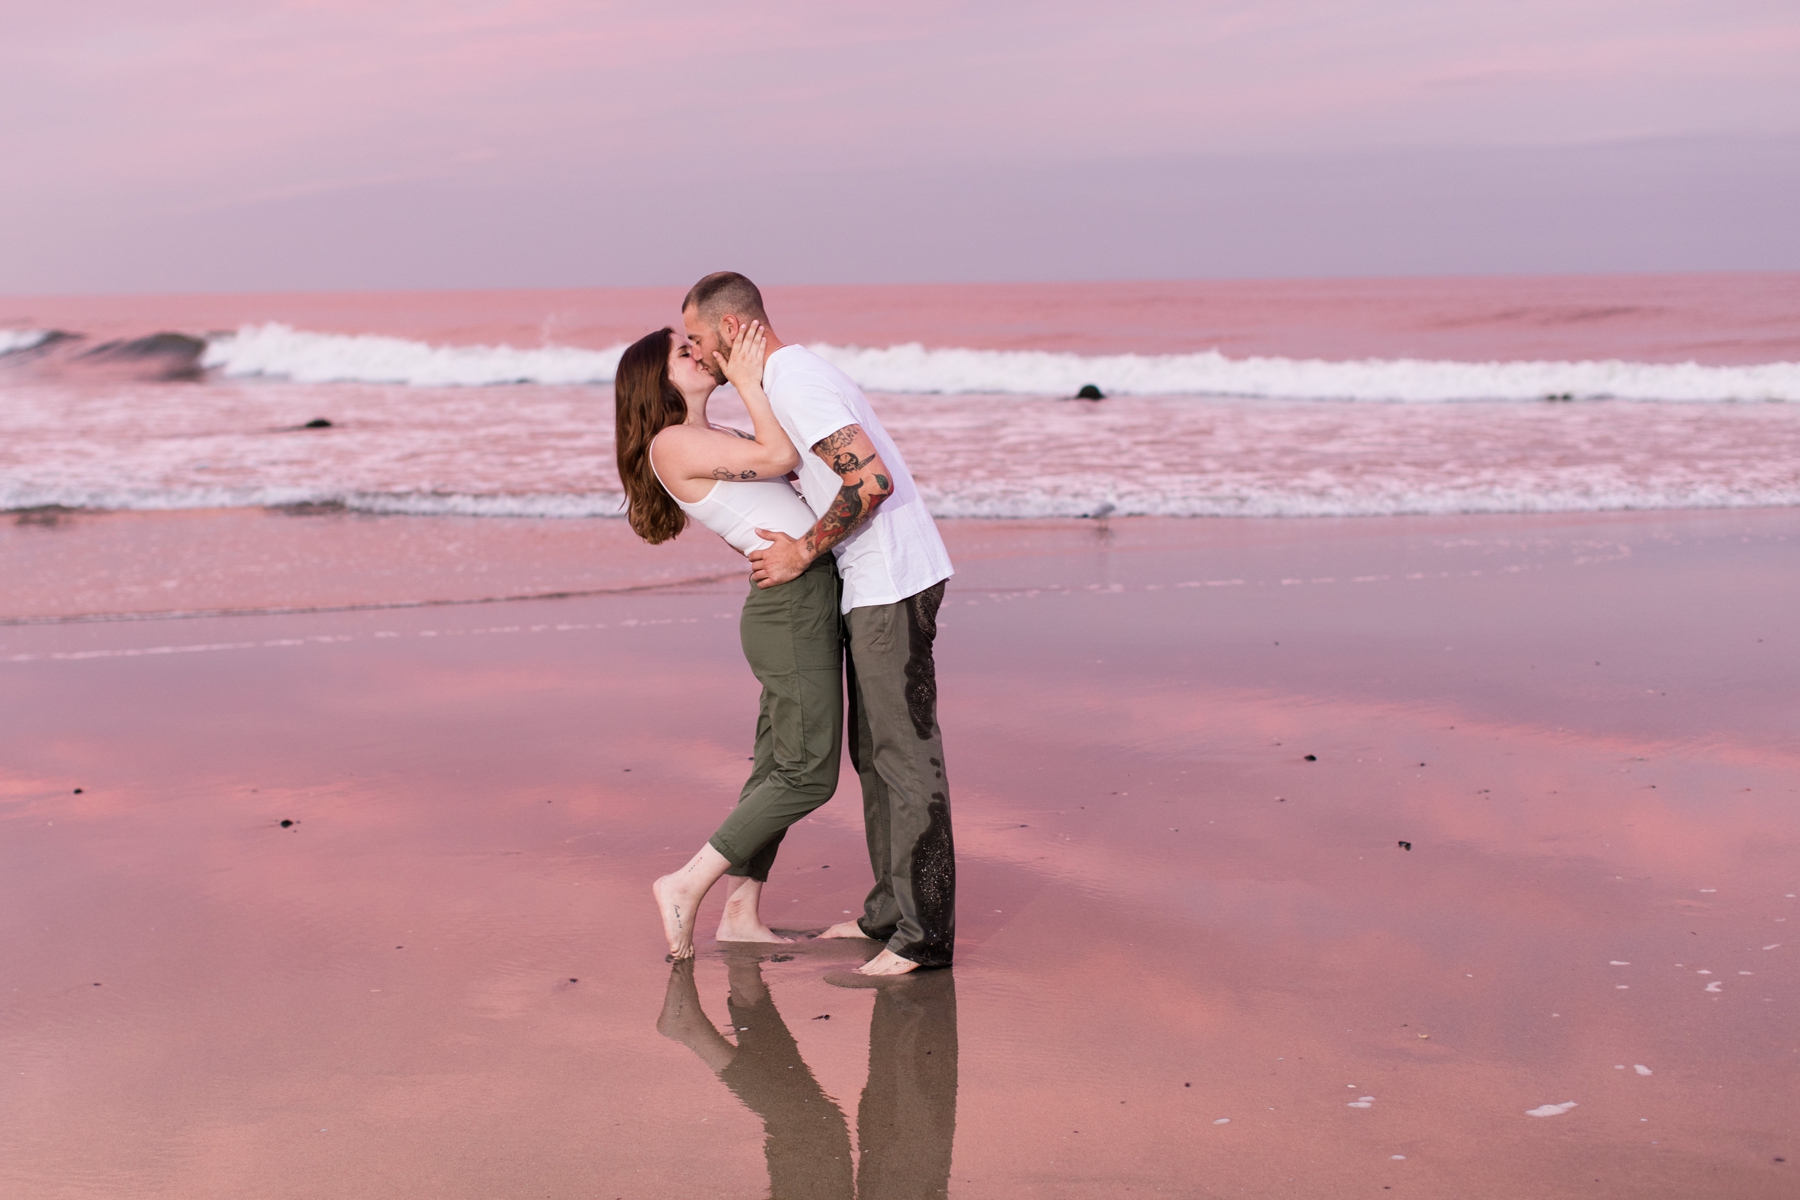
(1171, 918)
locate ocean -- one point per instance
(1254, 399)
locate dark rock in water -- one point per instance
(317, 423)
(176, 355)
(1560, 397)
(1090, 392)
(1312, 758)
(311, 508)
(1406, 845)
(78, 791)
(157, 345)
(286, 824)
(47, 515)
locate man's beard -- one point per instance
(713, 366)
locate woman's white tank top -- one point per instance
(735, 510)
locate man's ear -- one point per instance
(728, 328)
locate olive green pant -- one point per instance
(899, 755)
(793, 640)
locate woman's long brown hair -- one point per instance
(646, 404)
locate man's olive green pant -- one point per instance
(899, 754)
(793, 640)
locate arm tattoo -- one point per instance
(840, 520)
(837, 441)
(851, 508)
(748, 437)
(722, 473)
(847, 463)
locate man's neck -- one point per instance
(773, 344)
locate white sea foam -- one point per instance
(913, 368)
(307, 357)
(1550, 1110)
(288, 353)
(541, 450)
(22, 339)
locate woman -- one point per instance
(674, 465)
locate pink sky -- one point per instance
(320, 143)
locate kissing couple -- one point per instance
(847, 574)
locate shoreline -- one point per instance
(80, 566)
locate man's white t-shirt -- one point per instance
(898, 552)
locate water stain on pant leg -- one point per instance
(921, 670)
(934, 888)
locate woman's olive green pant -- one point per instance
(793, 639)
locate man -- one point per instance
(893, 565)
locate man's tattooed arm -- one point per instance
(839, 521)
(851, 454)
(826, 447)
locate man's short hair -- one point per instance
(725, 292)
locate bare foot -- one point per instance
(846, 929)
(888, 963)
(678, 910)
(753, 931)
(742, 920)
(678, 897)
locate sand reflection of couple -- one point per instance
(906, 1121)
(860, 619)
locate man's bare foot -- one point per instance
(846, 929)
(888, 963)
(678, 908)
(742, 919)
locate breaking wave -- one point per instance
(305, 357)
(287, 353)
(12, 340)
(913, 368)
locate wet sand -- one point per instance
(1188, 950)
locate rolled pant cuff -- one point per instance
(738, 861)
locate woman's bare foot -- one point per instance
(887, 963)
(846, 929)
(678, 897)
(678, 906)
(742, 919)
